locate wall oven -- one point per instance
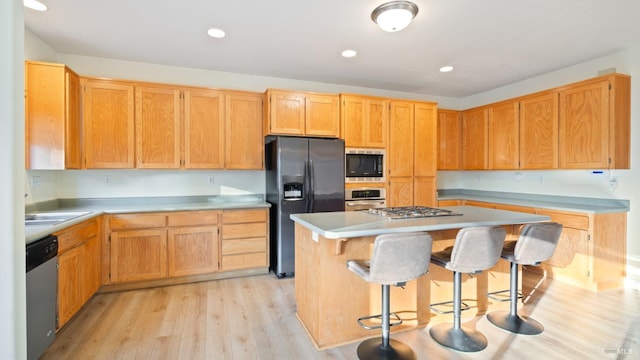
(364, 165)
(364, 199)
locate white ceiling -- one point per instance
(489, 42)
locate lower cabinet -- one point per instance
(168, 245)
(244, 239)
(591, 251)
(79, 275)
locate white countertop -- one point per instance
(340, 225)
(97, 207)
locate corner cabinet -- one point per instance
(475, 134)
(411, 154)
(108, 122)
(364, 121)
(79, 271)
(302, 114)
(52, 117)
(595, 120)
(449, 139)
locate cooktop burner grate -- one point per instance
(411, 212)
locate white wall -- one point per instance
(580, 183)
(12, 257)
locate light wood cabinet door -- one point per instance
(244, 144)
(539, 131)
(91, 261)
(503, 139)
(449, 140)
(424, 191)
(400, 191)
(401, 139)
(425, 137)
(70, 297)
(52, 117)
(475, 139)
(286, 113)
(203, 129)
(364, 121)
(138, 255)
(584, 126)
(192, 250)
(322, 115)
(158, 116)
(108, 121)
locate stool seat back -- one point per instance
(537, 242)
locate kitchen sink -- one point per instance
(51, 218)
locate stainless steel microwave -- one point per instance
(364, 165)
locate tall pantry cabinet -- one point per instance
(412, 158)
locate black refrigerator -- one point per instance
(303, 175)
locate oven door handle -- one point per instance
(364, 202)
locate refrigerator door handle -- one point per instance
(307, 187)
(312, 190)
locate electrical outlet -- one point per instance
(210, 179)
(107, 179)
(613, 184)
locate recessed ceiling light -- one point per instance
(349, 53)
(35, 5)
(216, 33)
(446, 68)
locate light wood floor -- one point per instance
(254, 318)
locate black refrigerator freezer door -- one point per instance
(326, 163)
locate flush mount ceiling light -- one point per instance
(216, 33)
(34, 5)
(349, 53)
(394, 15)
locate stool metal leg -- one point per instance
(457, 337)
(511, 321)
(385, 348)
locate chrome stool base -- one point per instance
(515, 323)
(373, 349)
(460, 339)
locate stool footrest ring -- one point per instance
(463, 307)
(379, 316)
(495, 295)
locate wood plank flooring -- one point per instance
(254, 318)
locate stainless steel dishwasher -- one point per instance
(42, 285)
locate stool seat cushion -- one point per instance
(537, 242)
(396, 258)
(475, 249)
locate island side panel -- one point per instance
(306, 280)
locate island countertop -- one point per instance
(348, 224)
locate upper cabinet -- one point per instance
(475, 125)
(108, 121)
(539, 131)
(52, 114)
(364, 121)
(158, 117)
(203, 129)
(503, 142)
(302, 114)
(449, 139)
(595, 120)
(244, 145)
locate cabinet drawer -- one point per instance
(243, 246)
(244, 230)
(524, 209)
(232, 262)
(244, 216)
(133, 221)
(77, 234)
(570, 220)
(480, 204)
(451, 202)
(189, 218)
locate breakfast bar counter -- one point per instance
(329, 298)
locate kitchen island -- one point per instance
(329, 298)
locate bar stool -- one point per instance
(475, 249)
(396, 259)
(536, 243)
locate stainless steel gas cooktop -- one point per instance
(411, 212)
